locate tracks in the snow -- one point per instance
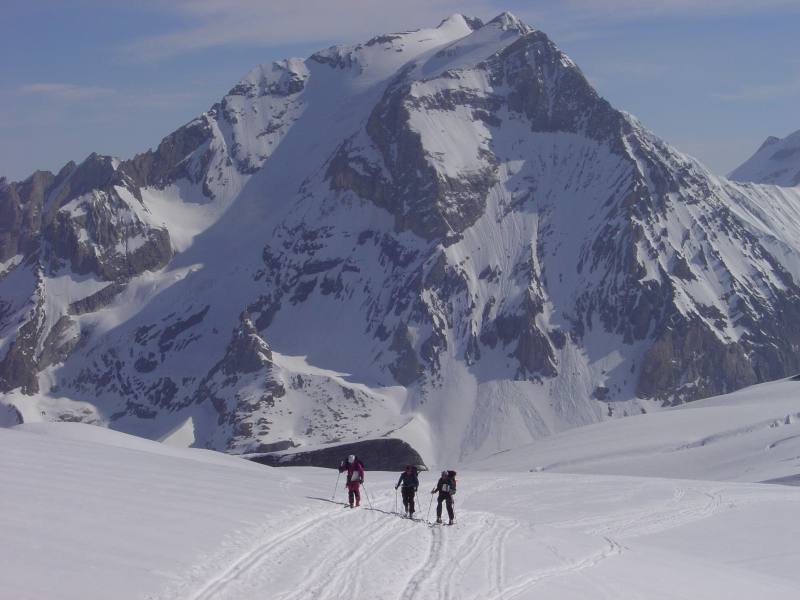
(336, 553)
(256, 556)
(479, 542)
(515, 589)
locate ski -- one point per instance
(453, 524)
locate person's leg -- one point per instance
(350, 495)
(450, 507)
(411, 501)
(439, 508)
(405, 499)
(357, 494)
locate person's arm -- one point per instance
(361, 472)
(399, 480)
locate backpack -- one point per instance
(452, 475)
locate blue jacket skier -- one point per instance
(409, 482)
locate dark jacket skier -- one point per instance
(446, 486)
(409, 482)
(355, 477)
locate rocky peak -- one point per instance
(507, 21)
(247, 351)
(280, 78)
(168, 162)
(459, 19)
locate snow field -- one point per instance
(752, 435)
(91, 513)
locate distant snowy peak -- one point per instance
(457, 18)
(777, 161)
(510, 22)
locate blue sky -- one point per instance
(115, 77)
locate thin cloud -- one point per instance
(216, 23)
(626, 10)
(762, 92)
(209, 24)
(65, 91)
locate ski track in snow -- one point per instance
(685, 506)
(515, 590)
(477, 558)
(431, 561)
(254, 558)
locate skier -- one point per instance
(446, 486)
(410, 482)
(355, 477)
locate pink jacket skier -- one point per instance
(355, 477)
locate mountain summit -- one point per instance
(443, 235)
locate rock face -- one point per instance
(387, 454)
(777, 161)
(442, 236)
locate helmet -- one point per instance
(351, 459)
(445, 473)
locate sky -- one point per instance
(712, 77)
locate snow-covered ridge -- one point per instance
(777, 161)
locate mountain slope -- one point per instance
(777, 161)
(444, 235)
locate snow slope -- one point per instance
(749, 435)
(91, 513)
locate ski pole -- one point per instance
(395, 502)
(428, 516)
(336, 486)
(366, 493)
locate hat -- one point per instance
(351, 459)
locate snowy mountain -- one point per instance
(169, 523)
(443, 235)
(777, 161)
